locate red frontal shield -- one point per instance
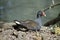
(43, 13)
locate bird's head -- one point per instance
(40, 14)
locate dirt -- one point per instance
(7, 32)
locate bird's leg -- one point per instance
(36, 30)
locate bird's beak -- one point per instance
(43, 14)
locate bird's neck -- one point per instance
(39, 21)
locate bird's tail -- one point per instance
(17, 22)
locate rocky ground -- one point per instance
(7, 32)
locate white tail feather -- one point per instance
(17, 22)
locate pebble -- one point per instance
(10, 34)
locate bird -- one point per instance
(32, 24)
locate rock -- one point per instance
(1, 23)
(9, 33)
(8, 25)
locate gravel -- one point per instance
(9, 33)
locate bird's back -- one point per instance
(30, 24)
